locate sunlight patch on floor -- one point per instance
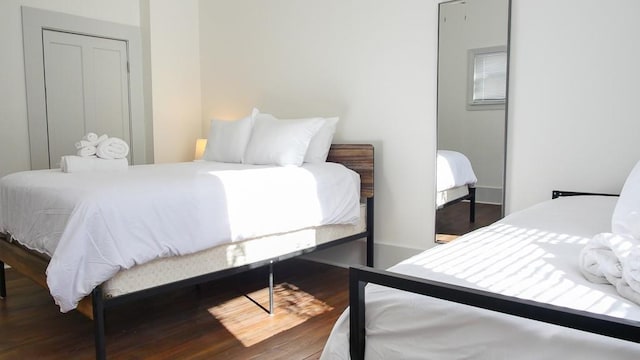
(445, 238)
(250, 324)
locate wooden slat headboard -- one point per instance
(359, 158)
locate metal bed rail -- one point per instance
(360, 276)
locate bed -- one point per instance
(511, 290)
(455, 180)
(74, 219)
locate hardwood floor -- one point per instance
(453, 221)
(214, 321)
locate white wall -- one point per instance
(373, 63)
(175, 78)
(479, 134)
(573, 113)
(14, 139)
(171, 41)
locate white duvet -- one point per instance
(95, 224)
(453, 169)
(533, 254)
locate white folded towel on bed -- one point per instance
(88, 145)
(72, 163)
(90, 137)
(83, 143)
(609, 258)
(628, 292)
(598, 262)
(112, 148)
(87, 151)
(631, 269)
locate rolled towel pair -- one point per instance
(599, 262)
(87, 151)
(615, 259)
(631, 269)
(72, 163)
(112, 148)
(88, 145)
(91, 139)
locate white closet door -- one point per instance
(87, 90)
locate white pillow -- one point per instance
(321, 142)
(280, 142)
(626, 215)
(228, 140)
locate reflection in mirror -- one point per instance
(472, 76)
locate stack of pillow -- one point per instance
(626, 216)
(262, 139)
(625, 222)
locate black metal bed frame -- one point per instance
(471, 196)
(360, 276)
(100, 303)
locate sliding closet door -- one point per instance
(87, 90)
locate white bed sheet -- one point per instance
(95, 224)
(453, 169)
(531, 254)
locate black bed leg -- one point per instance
(370, 231)
(472, 205)
(357, 332)
(98, 323)
(3, 282)
(271, 288)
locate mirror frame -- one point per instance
(506, 103)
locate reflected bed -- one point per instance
(455, 181)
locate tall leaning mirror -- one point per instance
(473, 43)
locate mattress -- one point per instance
(532, 254)
(445, 196)
(167, 270)
(95, 224)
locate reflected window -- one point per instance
(487, 78)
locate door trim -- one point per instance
(33, 22)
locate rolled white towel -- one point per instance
(601, 260)
(631, 269)
(90, 137)
(628, 292)
(622, 244)
(72, 163)
(101, 138)
(112, 148)
(83, 143)
(590, 265)
(87, 151)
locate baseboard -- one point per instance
(489, 195)
(353, 253)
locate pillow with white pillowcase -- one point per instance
(626, 215)
(280, 142)
(321, 143)
(228, 140)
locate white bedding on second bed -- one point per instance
(93, 224)
(453, 169)
(532, 254)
